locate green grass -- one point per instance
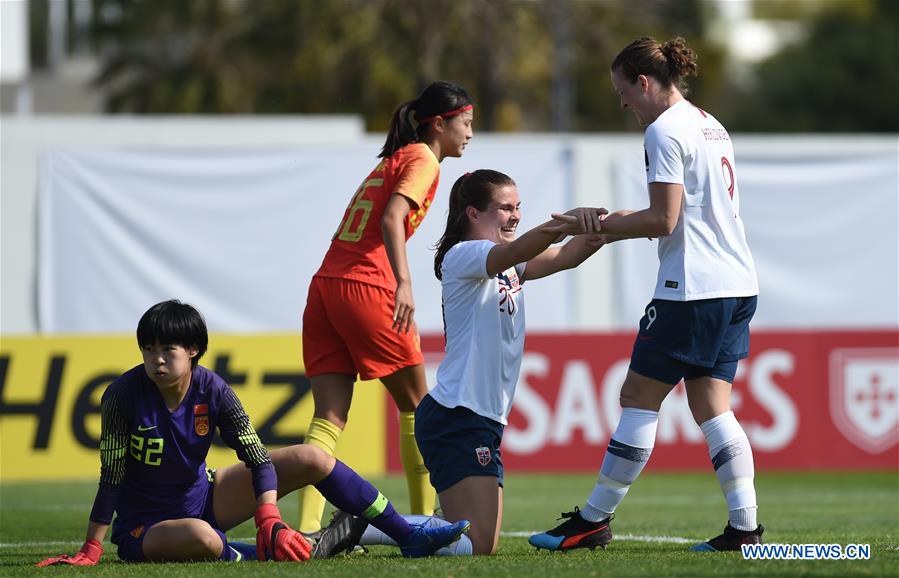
(805, 508)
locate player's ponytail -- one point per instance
(402, 130)
(470, 190)
(412, 119)
(681, 60)
(668, 62)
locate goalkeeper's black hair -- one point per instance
(470, 190)
(406, 126)
(174, 323)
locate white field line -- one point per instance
(670, 500)
(618, 538)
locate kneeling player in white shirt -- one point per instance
(459, 424)
(482, 267)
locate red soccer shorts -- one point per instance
(347, 328)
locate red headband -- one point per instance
(445, 114)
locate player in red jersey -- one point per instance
(359, 313)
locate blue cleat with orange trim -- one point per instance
(575, 532)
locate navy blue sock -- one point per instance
(351, 493)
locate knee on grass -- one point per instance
(482, 543)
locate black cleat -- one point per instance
(575, 532)
(340, 536)
(731, 540)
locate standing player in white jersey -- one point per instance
(696, 327)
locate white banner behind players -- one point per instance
(240, 232)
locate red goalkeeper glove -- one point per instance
(88, 556)
(275, 540)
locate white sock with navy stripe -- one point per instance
(628, 451)
(732, 459)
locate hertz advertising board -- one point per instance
(50, 389)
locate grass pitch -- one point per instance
(661, 517)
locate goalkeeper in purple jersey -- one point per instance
(158, 421)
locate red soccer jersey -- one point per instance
(357, 248)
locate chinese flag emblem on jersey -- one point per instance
(201, 419)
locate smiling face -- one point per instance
(499, 221)
(454, 133)
(168, 365)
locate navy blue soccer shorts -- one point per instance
(692, 339)
(130, 537)
(457, 443)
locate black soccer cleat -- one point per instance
(575, 532)
(731, 540)
(340, 536)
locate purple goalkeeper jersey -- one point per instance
(153, 461)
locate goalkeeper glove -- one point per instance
(88, 556)
(275, 540)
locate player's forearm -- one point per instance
(577, 250)
(609, 237)
(521, 250)
(96, 531)
(269, 497)
(635, 224)
(569, 256)
(394, 233)
(237, 431)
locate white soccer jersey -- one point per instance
(483, 318)
(706, 256)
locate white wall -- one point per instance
(23, 139)
(821, 212)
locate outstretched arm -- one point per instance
(569, 256)
(90, 551)
(608, 237)
(538, 239)
(658, 220)
(113, 448)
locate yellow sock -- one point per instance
(322, 434)
(421, 492)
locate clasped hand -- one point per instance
(579, 221)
